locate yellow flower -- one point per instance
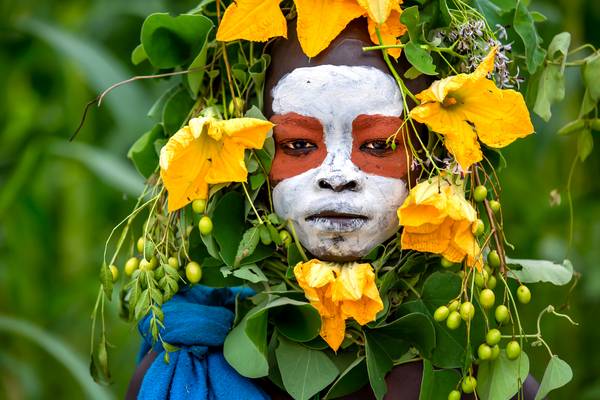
(319, 21)
(339, 292)
(466, 107)
(437, 219)
(208, 151)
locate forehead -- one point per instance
(337, 93)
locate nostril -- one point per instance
(350, 186)
(323, 184)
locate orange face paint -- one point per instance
(369, 150)
(300, 145)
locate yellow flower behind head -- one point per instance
(437, 219)
(208, 151)
(319, 21)
(339, 292)
(466, 107)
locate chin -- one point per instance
(345, 244)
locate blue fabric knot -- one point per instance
(196, 320)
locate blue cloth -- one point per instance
(196, 320)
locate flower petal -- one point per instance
(320, 21)
(254, 20)
(333, 330)
(227, 164)
(183, 166)
(248, 132)
(500, 116)
(390, 30)
(379, 10)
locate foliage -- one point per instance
(65, 192)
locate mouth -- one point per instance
(334, 221)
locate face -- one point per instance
(334, 175)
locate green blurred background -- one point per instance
(60, 200)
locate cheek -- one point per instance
(393, 165)
(286, 166)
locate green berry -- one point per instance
(205, 225)
(285, 237)
(454, 395)
(480, 193)
(493, 337)
(114, 272)
(193, 272)
(467, 311)
(523, 294)
(481, 278)
(454, 305)
(484, 352)
(199, 206)
(495, 206)
(140, 245)
(487, 298)
(493, 259)
(441, 313)
(236, 104)
(447, 263)
(491, 283)
(453, 321)
(468, 384)
(173, 263)
(478, 227)
(502, 314)
(495, 352)
(131, 265)
(513, 350)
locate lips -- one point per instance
(335, 221)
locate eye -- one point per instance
(378, 147)
(297, 146)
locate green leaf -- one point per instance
(501, 378)
(558, 373)
(228, 223)
(410, 18)
(591, 76)
(571, 127)
(195, 77)
(176, 109)
(247, 244)
(551, 85)
(298, 322)
(143, 154)
(353, 378)
(304, 371)
(106, 279)
(173, 41)
(436, 384)
(379, 364)
(585, 143)
(250, 273)
(419, 58)
(138, 55)
(416, 329)
(257, 74)
(551, 89)
(525, 27)
(245, 347)
(541, 271)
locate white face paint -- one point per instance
(339, 212)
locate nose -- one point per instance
(338, 184)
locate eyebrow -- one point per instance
(366, 121)
(292, 118)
